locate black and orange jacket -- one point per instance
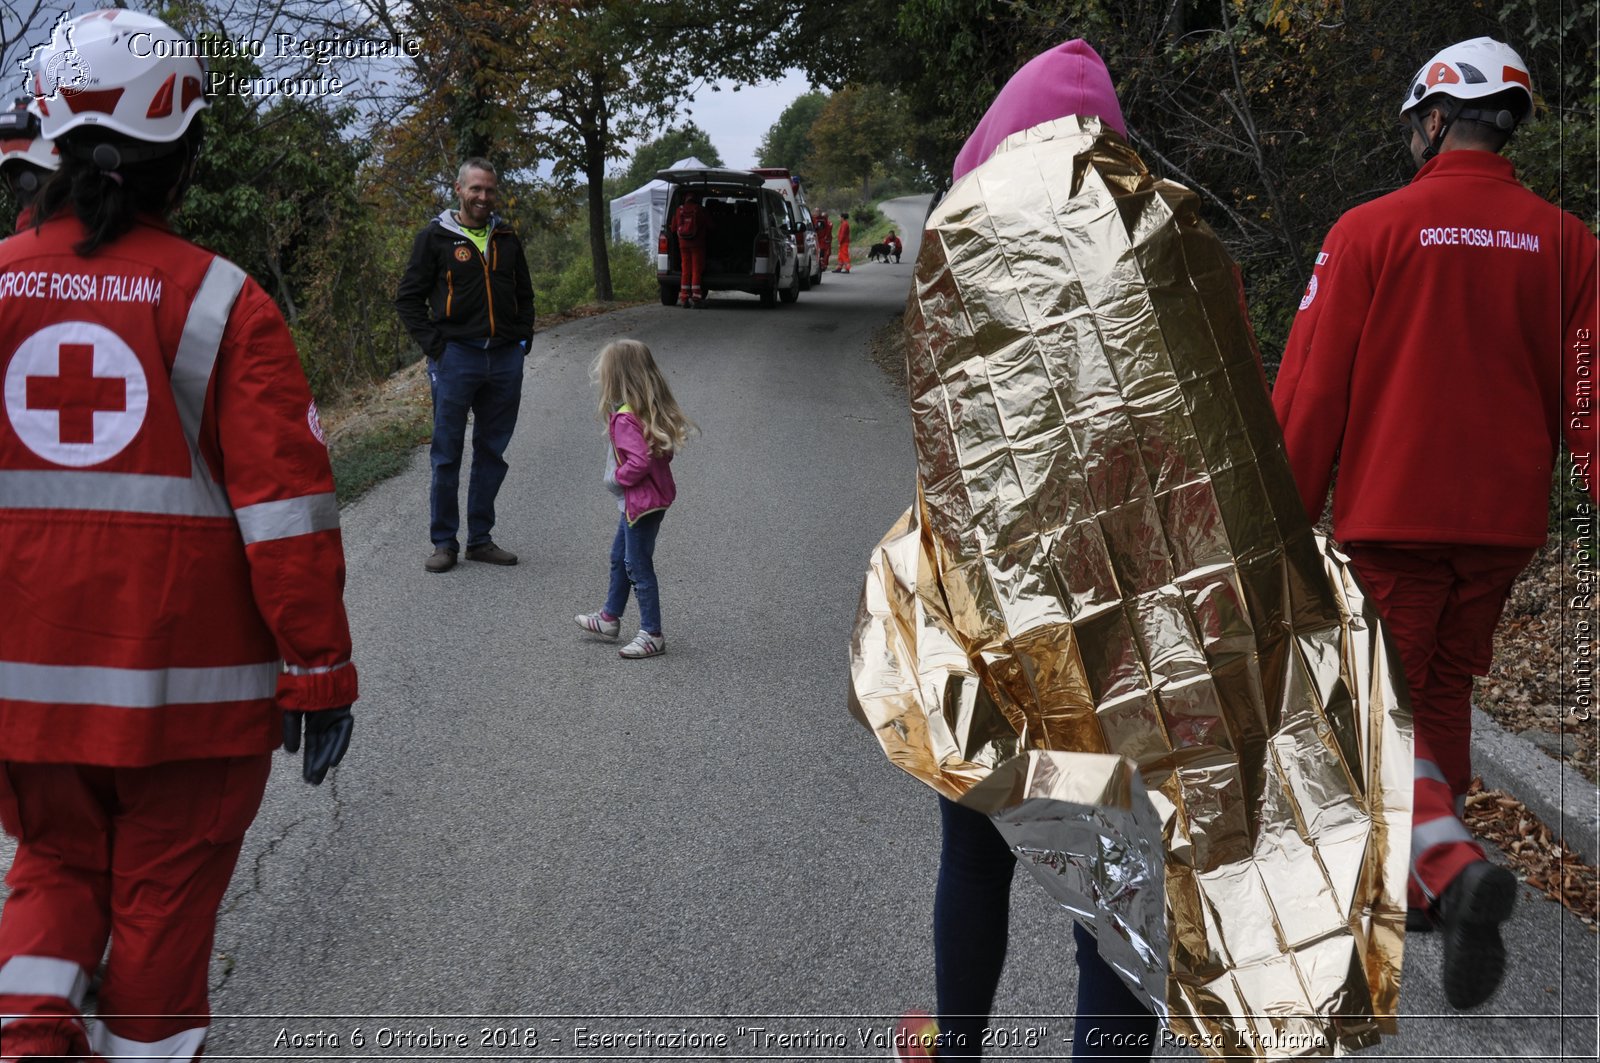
(451, 291)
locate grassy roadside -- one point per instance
(373, 431)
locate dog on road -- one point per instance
(879, 253)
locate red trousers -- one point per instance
(1441, 604)
(692, 258)
(844, 257)
(139, 858)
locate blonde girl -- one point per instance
(646, 428)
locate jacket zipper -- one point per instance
(488, 287)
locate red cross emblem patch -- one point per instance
(76, 394)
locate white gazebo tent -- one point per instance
(638, 216)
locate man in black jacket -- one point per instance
(467, 298)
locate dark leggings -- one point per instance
(971, 922)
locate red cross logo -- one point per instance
(77, 393)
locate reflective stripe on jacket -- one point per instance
(174, 571)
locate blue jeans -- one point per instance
(488, 383)
(971, 922)
(633, 560)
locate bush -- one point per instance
(633, 273)
(633, 278)
(863, 219)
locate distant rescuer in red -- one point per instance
(467, 299)
(1436, 358)
(172, 597)
(824, 237)
(692, 226)
(844, 245)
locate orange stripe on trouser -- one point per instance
(694, 264)
(139, 857)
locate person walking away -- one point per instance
(467, 299)
(646, 427)
(26, 159)
(691, 223)
(844, 245)
(1428, 359)
(971, 908)
(173, 607)
(824, 237)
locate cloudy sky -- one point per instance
(736, 121)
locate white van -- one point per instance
(804, 226)
(750, 246)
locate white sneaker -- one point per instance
(644, 644)
(598, 624)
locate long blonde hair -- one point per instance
(627, 375)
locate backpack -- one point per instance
(688, 221)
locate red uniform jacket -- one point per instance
(1443, 345)
(173, 571)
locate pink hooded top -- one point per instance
(1070, 78)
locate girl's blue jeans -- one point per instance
(971, 922)
(633, 562)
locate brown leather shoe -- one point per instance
(443, 560)
(490, 554)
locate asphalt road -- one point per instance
(531, 834)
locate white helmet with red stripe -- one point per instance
(20, 141)
(117, 70)
(1472, 70)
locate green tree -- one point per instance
(666, 149)
(601, 74)
(1281, 114)
(788, 143)
(467, 67)
(861, 130)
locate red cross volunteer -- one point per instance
(171, 606)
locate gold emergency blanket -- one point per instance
(1108, 623)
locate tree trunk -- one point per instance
(471, 117)
(595, 134)
(291, 312)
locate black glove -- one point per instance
(327, 738)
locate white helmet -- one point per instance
(117, 70)
(20, 140)
(1472, 70)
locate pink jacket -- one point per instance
(645, 478)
